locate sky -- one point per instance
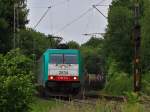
(69, 19)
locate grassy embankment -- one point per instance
(101, 106)
(42, 105)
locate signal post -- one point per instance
(137, 44)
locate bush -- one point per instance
(146, 83)
(15, 93)
(133, 97)
(14, 63)
(16, 88)
(117, 82)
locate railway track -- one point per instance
(83, 100)
(87, 99)
(77, 102)
(93, 101)
(107, 97)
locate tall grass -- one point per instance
(42, 105)
(101, 106)
(119, 84)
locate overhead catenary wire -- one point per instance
(45, 13)
(103, 5)
(73, 21)
(60, 3)
(89, 19)
(82, 15)
(99, 3)
(51, 17)
(14, 27)
(99, 11)
(57, 4)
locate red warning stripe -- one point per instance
(63, 78)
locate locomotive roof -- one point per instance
(62, 51)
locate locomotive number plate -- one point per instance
(63, 72)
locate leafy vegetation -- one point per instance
(118, 47)
(35, 43)
(41, 105)
(117, 82)
(101, 106)
(92, 53)
(73, 45)
(111, 55)
(16, 88)
(6, 21)
(17, 66)
(145, 49)
(146, 83)
(118, 44)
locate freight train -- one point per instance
(61, 71)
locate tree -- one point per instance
(118, 41)
(93, 61)
(4, 45)
(16, 88)
(7, 21)
(14, 62)
(32, 42)
(93, 55)
(118, 46)
(145, 44)
(73, 45)
(94, 42)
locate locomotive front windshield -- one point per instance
(70, 59)
(63, 59)
(56, 58)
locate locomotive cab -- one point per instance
(61, 70)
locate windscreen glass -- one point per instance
(70, 59)
(56, 59)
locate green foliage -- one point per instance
(6, 21)
(16, 88)
(73, 45)
(32, 42)
(94, 42)
(112, 68)
(100, 106)
(41, 105)
(92, 60)
(15, 93)
(4, 44)
(132, 97)
(145, 47)
(117, 42)
(117, 82)
(92, 55)
(146, 83)
(118, 45)
(15, 63)
(136, 107)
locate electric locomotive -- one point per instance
(61, 70)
